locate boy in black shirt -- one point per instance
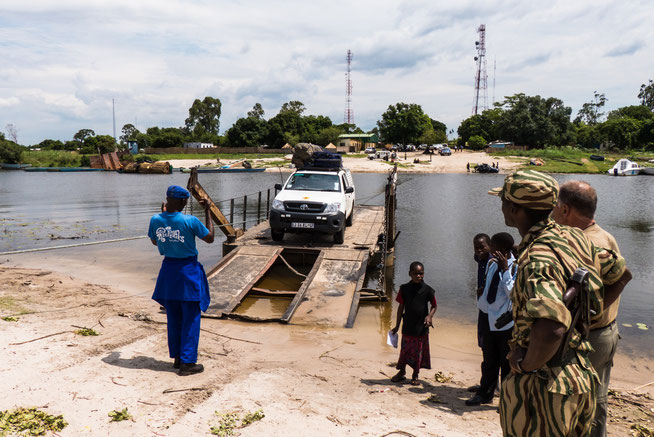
(414, 298)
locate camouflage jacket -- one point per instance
(538, 294)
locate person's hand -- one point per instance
(163, 207)
(516, 355)
(394, 330)
(428, 321)
(502, 262)
(204, 203)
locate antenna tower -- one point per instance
(480, 102)
(494, 74)
(349, 112)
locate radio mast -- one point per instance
(349, 112)
(480, 102)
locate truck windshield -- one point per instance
(314, 182)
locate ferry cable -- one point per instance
(88, 243)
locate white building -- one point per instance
(198, 145)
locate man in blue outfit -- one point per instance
(182, 286)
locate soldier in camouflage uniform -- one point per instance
(542, 397)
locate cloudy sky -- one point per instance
(63, 62)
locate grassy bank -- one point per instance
(51, 158)
(573, 160)
(169, 156)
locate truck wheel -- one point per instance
(277, 236)
(348, 221)
(339, 237)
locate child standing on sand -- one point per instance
(414, 298)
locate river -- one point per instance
(438, 215)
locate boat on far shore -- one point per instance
(624, 167)
(647, 171)
(7, 166)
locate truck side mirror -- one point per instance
(278, 187)
(349, 190)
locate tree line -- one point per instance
(538, 122)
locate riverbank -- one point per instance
(307, 380)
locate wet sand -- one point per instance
(456, 163)
(307, 380)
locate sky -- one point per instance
(62, 63)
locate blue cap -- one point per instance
(177, 192)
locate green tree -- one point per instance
(51, 145)
(621, 132)
(477, 142)
(129, 133)
(470, 127)
(588, 136)
(99, 144)
(10, 152)
(247, 132)
(403, 123)
(590, 112)
(432, 136)
(288, 123)
(293, 106)
(438, 125)
(646, 95)
(83, 134)
(329, 135)
(257, 111)
(162, 137)
(534, 121)
(637, 112)
(203, 117)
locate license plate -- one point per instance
(302, 225)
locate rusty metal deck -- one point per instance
(328, 293)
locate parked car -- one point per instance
(315, 200)
(445, 151)
(370, 150)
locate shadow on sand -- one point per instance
(139, 362)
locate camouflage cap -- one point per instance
(530, 189)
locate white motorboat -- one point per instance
(624, 167)
(647, 171)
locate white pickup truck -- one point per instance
(316, 200)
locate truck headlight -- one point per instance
(332, 207)
(278, 205)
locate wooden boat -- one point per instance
(7, 166)
(224, 170)
(62, 169)
(624, 167)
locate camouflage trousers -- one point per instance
(528, 409)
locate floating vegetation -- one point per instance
(642, 326)
(228, 422)
(87, 332)
(119, 416)
(29, 421)
(10, 319)
(441, 377)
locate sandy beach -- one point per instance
(307, 380)
(456, 163)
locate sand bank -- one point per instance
(307, 380)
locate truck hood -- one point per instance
(311, 196)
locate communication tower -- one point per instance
(349, 112)
(480, 102)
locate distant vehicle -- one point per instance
(370, 150)
(485, 168)
(383, 154)
(422, 147)
(436, 147)
(445, 151)
(394, 147)
(410, 148)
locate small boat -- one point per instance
(224, 170)
(62, 169)
(624, 167)
(7, 166)
(647, 171)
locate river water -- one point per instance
(438, 215)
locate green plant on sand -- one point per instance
(29, 421)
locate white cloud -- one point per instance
(64, 62)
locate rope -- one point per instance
(89, 243)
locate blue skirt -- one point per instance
(182, 279)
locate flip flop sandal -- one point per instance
(415, 381)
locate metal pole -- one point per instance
(245, 211)
(268, 205)
(231, 211)
(259, 208)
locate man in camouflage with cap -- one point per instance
(542, 396)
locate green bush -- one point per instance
(477, 142)
(52, 158)
(10, 152)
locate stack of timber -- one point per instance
(159, 167)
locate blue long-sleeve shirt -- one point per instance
(502, 301)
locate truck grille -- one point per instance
(308, 207)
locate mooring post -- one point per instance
(259, 208)
(231, 211)
(245, 212)
(268, 205)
